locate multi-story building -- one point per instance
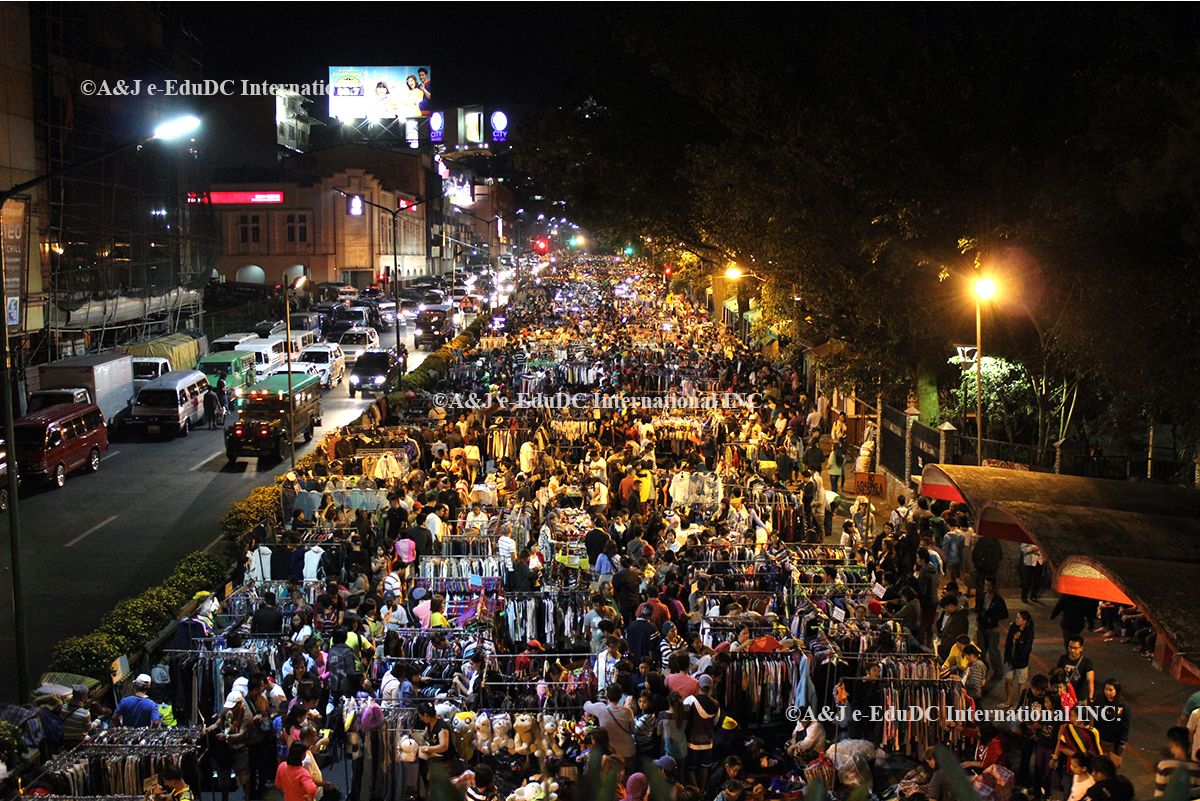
(295, 220)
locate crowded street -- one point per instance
(679, 404)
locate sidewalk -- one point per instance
(1153, 697)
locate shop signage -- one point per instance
(872, 485)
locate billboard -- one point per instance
(458, 188)
(378, 93)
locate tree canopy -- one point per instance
(872, 161)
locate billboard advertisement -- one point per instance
(458, 188)
(378, 93)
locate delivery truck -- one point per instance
(106, 377)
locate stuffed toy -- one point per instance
(464, 734)
(483, 734)
(525, 734)
(445, 711)
(550, 745)
(408, 750)
(501, 733)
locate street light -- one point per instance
(985, 288)
(735, 273)
(395, 254)
(168, 130)
(287, 314)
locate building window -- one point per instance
(248, 229)
(296, 226)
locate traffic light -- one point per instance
(542, 246)
(629, 250)
(667, 271)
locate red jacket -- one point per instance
(296, 783)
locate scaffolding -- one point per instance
(125, 256)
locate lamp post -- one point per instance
(985, 288)
(395, 213)
(287, 305)
(735, 273)
(168, 130)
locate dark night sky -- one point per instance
(490, 53)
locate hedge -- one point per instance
(134, 620)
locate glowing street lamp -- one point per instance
(172, 129)
(985, 289)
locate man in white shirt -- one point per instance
(477, 521)
(506, 546)
(434, 524)
(813, 422)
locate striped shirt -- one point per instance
(1168, 766)
(1081, 739)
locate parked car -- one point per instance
(60, 439)
(434, 329)
(148, 368)
(171, 404)
(356, 340)
(365, 316)
(235, 366)
(297, 369)
(4, 477)
(329, 360)
(231, 341)
(408, 310)
(375, 371)
(268, 328)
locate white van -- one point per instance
(268, 353)
(301, 340)
(231, 341)
(171, 404)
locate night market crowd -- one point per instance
(681, 599)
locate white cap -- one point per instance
(142, 680)
(233, 699)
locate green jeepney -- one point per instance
(235, 366)
(265, 428)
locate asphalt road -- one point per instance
(112, 534)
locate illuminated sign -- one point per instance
(236, 197)
(458, 189)
(437, 126)
(354, 205)
(412, 133)
(379, 93)
(499, 122)
(472, 125)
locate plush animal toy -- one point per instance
(445, 711)
(483, 734)
(525, 734)
(408, 750)
(501, 737)
(464, 734)
(550, 745)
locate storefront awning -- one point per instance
(1109, 540)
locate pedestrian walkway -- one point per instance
(1155, 699)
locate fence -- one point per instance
(1164, 466)
(238, 318)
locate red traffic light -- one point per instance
(666, 271)
(542, 245)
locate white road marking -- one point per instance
(207, 459)
(212, 544)
(91, 530)
(108, 455)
